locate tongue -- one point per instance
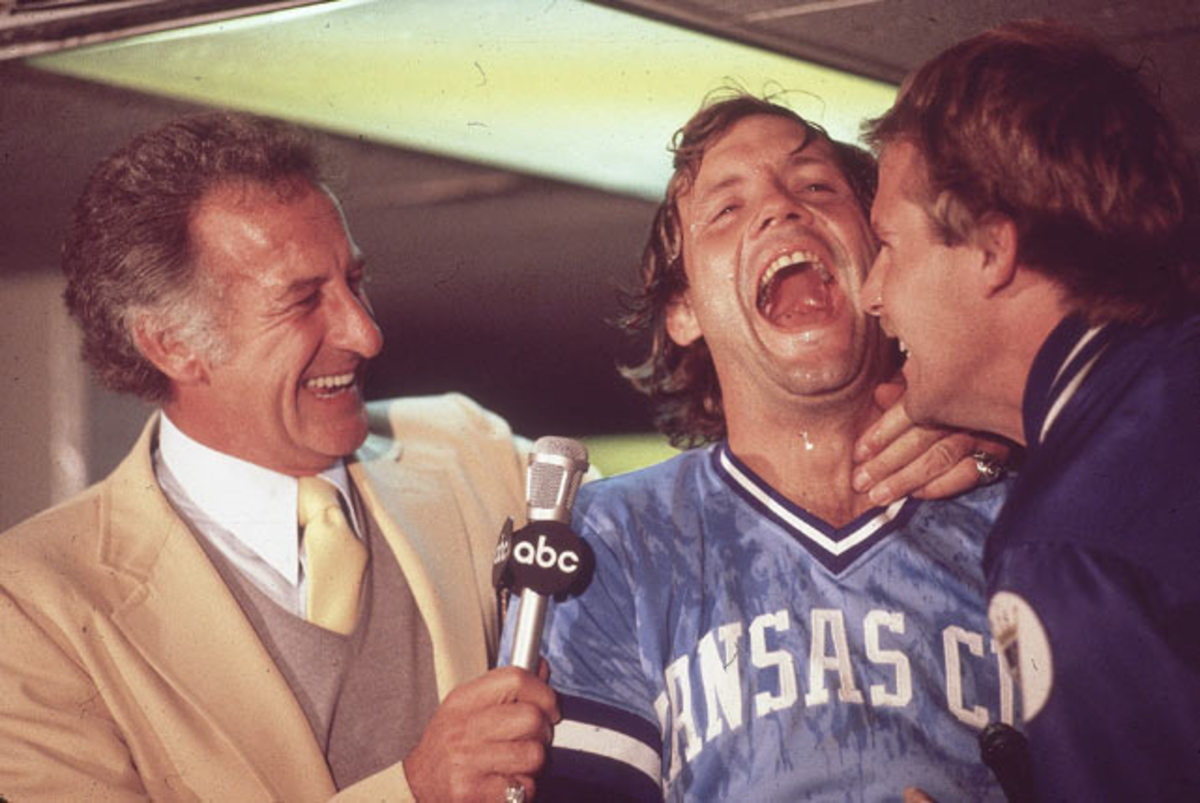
(796, 298)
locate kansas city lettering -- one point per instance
(730, 654)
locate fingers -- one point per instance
(893, 423)
(490, 789)
(506, 685)
(503, 794)
(897, 457)
(962, 477)
(535, 691)
(888, 393)
(511, 722)
(486, 732)
(517, 758)
(996, 446)
(913, 461)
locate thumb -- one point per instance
(888, 393)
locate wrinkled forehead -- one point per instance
(756, 144)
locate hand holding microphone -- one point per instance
(488, 739)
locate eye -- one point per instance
(357, 281)
(309, 300)
(727, 209)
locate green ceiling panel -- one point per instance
(558, 88)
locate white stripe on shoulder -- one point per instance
(570, 735)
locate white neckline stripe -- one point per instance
(1068, 391)
(571, 735)
(798, 524)
(1088, 336)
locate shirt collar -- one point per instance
(1058, 370)
(256, 505)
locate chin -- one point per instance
(342, 441)
(917, 405)
(348, 444)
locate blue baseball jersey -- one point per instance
(1094, 564)
(732, 646)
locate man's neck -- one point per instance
(1024, 316)
(806, 454)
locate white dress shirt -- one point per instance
(246, 511)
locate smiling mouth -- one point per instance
(795, 291)
(888, 331)
(330, 385)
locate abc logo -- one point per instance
(545, 556)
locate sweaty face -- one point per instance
(775, 247)
(299, 327)
(920, 288)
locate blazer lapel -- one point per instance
(417, 508)
(234, 709)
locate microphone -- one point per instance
(545, 559)
(1005, 751)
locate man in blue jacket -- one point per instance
(1037, 218)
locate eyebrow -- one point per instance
(706, 194)
(300, 287)
(795, 157)
(798, 151)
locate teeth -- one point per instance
(786, 260)
(795, 258)
(332, 382)
(903, 347)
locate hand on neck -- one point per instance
(807, 456)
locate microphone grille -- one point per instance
(544, 481)
(556, 466)
(567, 447)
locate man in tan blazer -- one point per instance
(157, 641)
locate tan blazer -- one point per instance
(128, 671)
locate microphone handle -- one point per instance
(527, 638)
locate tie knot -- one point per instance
(315, 495)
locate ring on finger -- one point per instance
(514, 793)
(987, 466)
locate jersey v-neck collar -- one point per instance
(836, 548)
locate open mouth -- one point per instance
(795, 291)
(330, 385)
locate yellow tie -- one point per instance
(334, 558)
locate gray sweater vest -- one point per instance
(369, 695)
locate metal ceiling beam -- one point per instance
(30, 27)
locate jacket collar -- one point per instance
(416, 507)
(210, 656)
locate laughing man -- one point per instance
(757, 628)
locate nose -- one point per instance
(780, 205)
(872, 289)
(354, 327)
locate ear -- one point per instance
(167, 352)
(682, 325)
(996, 237)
